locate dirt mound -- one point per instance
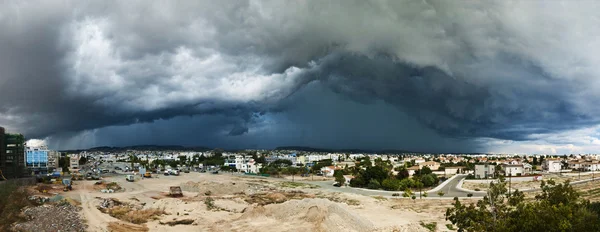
(308, 214)
(218, 187)
(275, 197)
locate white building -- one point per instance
(552, 165)
(513, 169)
(74, 162)
(591, 166)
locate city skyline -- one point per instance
(460, 76)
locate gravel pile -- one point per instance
(49, 218)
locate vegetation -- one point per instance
(557, 208)
(13, 199)
(210, 203)
(339, 177)
(380, 176)
(128, 214)
(429, 226)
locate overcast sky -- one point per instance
(440, 76)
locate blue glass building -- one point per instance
(36, 160)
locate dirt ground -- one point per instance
(531, 184)
(226, 202)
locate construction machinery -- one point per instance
(148, 174)
(175, 191)
(67, 185)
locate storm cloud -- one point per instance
(466, 76)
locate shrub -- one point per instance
(374, 184)
(429, 226)
(210, 203)
(390, 184)
(357, 182)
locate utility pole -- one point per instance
(509, 181)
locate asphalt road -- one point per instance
(449, 189)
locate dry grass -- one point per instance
(379, 198)
(178, 222)
(122, 227)
(126, 213)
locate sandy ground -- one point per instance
(531, 184)
(240, 203)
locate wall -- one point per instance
(513, 179)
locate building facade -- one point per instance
(74, 163)
(12, 155)
(53, 161)
(484, 171)
(552, 165)
(36, 160)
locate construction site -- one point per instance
(217, 202)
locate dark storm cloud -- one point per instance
(504, 70)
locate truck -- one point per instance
(130, 178)
(175, 191)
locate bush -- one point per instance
(374, 184)
(357, 182)
(390, 184)
(406, 184)
(429, 180)
(210, 203)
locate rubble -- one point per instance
(62, 217)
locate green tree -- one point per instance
(429, 180)
(557, 208)
(402, 173)
(293, 171)
(82, 160)
(441, 194)
(339, 177)
(391, 184)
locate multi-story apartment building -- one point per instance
(74, 162)
(53, 158)
(12, 155)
